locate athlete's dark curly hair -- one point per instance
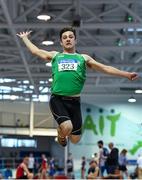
(67, 29)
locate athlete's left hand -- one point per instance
(133, 76)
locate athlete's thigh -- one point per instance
(58, 109)
(76, 117)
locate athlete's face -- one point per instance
(26, 160)
(100, 145)
(68, 40)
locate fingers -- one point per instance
(29, 32)
(134, 77)
(23, 34)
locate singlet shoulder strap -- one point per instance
(56, 54)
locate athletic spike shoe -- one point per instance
(62, 141)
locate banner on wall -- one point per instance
(110, 124)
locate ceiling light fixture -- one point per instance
(13, 97)
(48, 64)
(47, 43)
(76, 20)
(131, 99)
(50, 79)
(43, 14)
(138, 91)
(129, 18)
(43, 17)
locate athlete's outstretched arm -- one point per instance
(46, 55)
(109, 69)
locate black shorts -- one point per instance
(122, 168)
(66, 108)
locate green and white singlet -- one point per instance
(69, 74)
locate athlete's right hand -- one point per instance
(23, 34)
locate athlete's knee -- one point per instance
(75, 138)
(66, 128)
(30, 176)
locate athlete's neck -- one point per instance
(68, 51)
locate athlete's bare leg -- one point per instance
(64, 130)
(75, 138)
(43, 174)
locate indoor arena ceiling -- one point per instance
(108, 30)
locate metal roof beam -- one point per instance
(131, 48)
(129, 11)
(109, 2)
(59, 25)
(29, 10)
(113, 85)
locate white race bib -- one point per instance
(67, 65)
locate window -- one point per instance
(14, 142)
